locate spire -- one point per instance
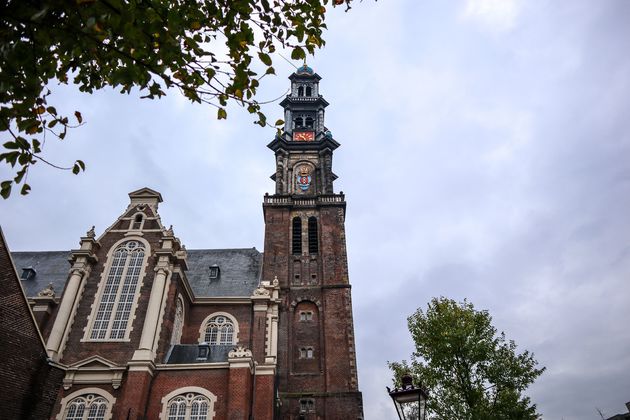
(304, 148)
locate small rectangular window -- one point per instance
(214, 272)
(307, 405)
(306, 316)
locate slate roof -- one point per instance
(239, 271)
(239, 275)
(50, 266)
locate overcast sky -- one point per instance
(484, 155)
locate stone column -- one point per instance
(65, 311)
(152, 316)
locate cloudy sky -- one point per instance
(484, 155)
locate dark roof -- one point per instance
(239, 271)
(188, 353)
(50, 266)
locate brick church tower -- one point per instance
(305, 249)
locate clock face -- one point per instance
(303, 135)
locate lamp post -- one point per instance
(410, 401)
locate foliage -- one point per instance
(205, 48)
(470, 371)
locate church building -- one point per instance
(136, 326)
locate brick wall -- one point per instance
(317, 283)
(214, 380)
(28, 385)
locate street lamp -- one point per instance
(410, 402)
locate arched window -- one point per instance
(309, 122)
(297, 236)
(306, 353)
(309, 91)
(118, 294)
(86, 407)
(312, 235)
(178, 322)
(137, 222)
(87, 404)
(190, 406)
(298, 122)
(219, 330)
(301, 91)
(188, 403)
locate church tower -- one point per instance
(305, 249)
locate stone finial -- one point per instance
(238, 352)
(169, 231)
(48, 291)
(275, 281)
(90, 233)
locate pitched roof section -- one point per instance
(239, 271)
(50, 267)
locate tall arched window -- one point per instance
(301, 91)
(178, 322)
(86, 407)
(308, 91)
(312, 235)
(118, 294)
(219, 330)
(297, 236)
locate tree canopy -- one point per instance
(208, 49)
(470, 371)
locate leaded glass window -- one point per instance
(119, 292)
(190, 406)
(86, 407)
(219, 330)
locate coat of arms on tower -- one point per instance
(304, 177)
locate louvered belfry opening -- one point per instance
(312, 235)
(297, 236)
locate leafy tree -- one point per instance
(208, 49)
(470, 371)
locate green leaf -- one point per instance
(222, 114)
(298, 53)
(5, 189)
(279, 122)
(25, 189)
(265, 59)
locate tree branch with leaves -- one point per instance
(471, 371)
(207, 49)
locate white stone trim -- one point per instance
(98, 391)
(194, 366)
(101, 286)
(202, 327)
(188, 389)
(94, 370)
(132, 221)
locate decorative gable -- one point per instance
(94, 370)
